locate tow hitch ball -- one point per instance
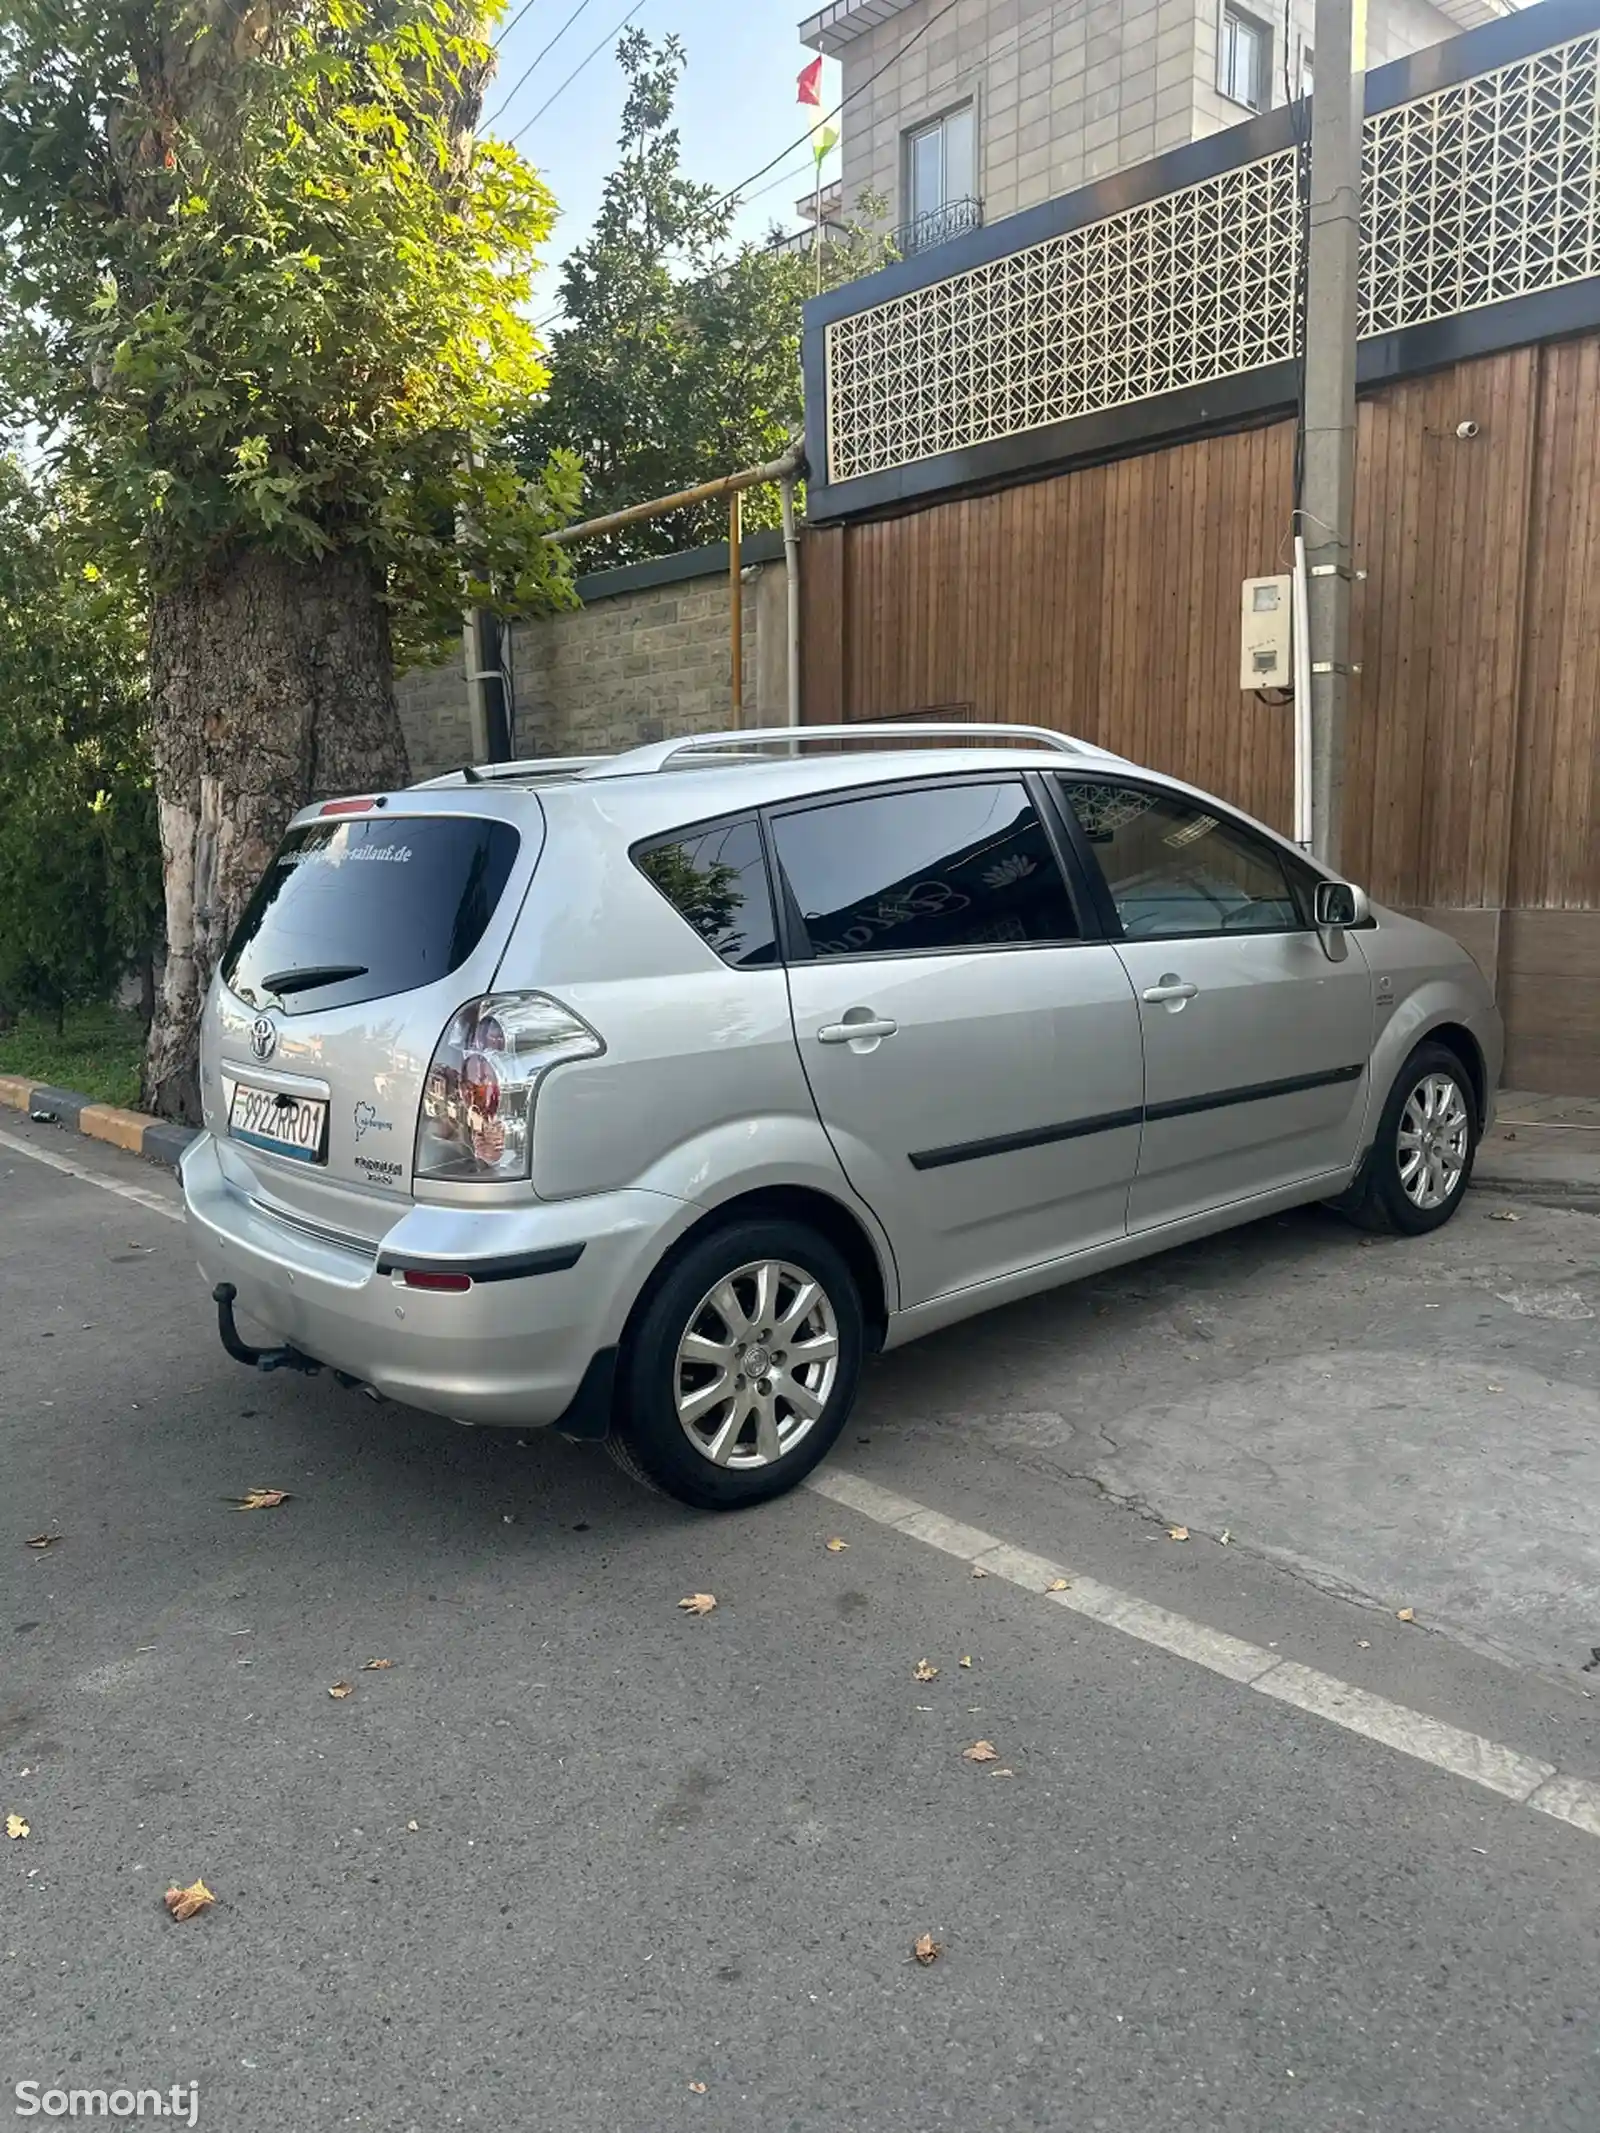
(224, 1296)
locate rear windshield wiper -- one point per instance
(311, 974)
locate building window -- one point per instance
(1307, 70)
(1244, 59)
(941, 163)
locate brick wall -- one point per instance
(646, 656)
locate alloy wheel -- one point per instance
(756, 1365)
(1435, 1141)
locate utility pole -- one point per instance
(1327, 501)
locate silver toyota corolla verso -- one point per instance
(646, 1096)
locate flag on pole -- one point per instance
(823, 138)
(811, 84)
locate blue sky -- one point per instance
(736, 109)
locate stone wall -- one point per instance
(647, 655)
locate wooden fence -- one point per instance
(1105, 602)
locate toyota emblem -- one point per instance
(263, 1037)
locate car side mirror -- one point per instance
(1339, 905)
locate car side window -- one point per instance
(1176, 867)
(942, 867)
(716, 879)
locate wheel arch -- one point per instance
(787, 1203)
(1457, 1039)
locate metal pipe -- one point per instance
(736, 597)
(707, 492)
(1301, 670)
(791, 572)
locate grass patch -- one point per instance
(98, 1055)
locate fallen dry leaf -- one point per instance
(967, 1662)
(923, 1672)
(1405, 1614)
(1504, 1214)
(926, 1949)
(16, 1828)
(376, 1666)
(1177, 1533)
(43, 1540)
(1059, 1585)
(339, 1691)
(981, 1751)
(697, 2088)
(259, 1500)
(837, 1547)
(978, 1573)
(698, 1603)
(183, 1903)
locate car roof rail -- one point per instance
(746, 746)
(538, 766)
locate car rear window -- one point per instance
(357, 910)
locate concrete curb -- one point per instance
(153, 1138)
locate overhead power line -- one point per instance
(588, 57)
(511, 25)
(542, 53)
(1019, 43)
(860, 89)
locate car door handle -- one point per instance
(869, 1027)
(1171, 990)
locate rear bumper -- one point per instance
(512, 1350)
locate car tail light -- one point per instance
(477, 1102)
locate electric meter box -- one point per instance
(1266, 659)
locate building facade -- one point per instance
(1045, 455)
(1000, 104)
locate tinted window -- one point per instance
(950, 866)
(1174, 868)
(359, 909)
(717, 879)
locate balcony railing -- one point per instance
(937, 226)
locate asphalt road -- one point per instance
(575, 1854)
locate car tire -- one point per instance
(1393, 1194)
(708, 1411)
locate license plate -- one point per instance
(289, 1125)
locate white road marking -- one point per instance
(141, 1195)
(1489, 1763)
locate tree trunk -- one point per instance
(272, 683)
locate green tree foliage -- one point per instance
(264, 299)
(678, 355)
(80, 867)
(262, 287)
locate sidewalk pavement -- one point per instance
(1548, 1146)
(152, 1138)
